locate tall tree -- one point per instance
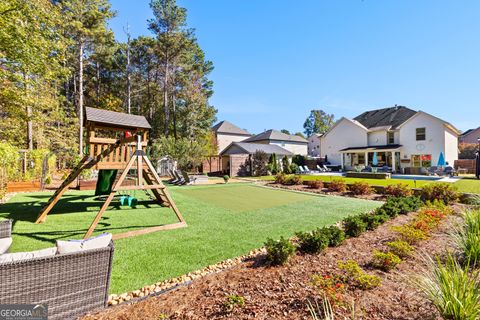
(86, 22)
(318, 122)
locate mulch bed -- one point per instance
(283, 292)
(325, 191)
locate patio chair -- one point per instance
(172, 175)
(306, 170)
(320, 169)
(367, 169)
(450, 171)
(300, 170)
(327, 169)
(181, 179)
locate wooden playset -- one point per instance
(110, 155)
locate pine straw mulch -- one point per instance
(283, 292)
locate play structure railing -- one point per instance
(117, 159)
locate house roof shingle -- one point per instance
(228, 127)
(251, 148)
(387, 117)
(116, 119)
(275, 135)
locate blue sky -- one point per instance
(275, 60)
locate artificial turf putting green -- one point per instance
(216, 231)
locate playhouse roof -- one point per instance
(116, 119)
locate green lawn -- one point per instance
(224, 221)
(468, 185)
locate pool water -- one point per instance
(414, 177)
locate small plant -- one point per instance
(401, 248)
(382, 217)
(330, 285)
(356, 276)
(354, 226)
(470, 199)
(162, 316)
(468, 237)
(226, 178)
(445, 192)
(360, 188)
(372, 221)
(395, 206)
(337, 185)
(280, 178)
(335, 236)
(278, 252)
(385, 261)
(233, 301)
(324, 313)
(294, 180)
(316, 184)
(48, 180)
(410, 234)
(398, 190)
(453, 289)
(313, 242)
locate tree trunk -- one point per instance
(129, 88)
(165, 100)
(174, 109)
(97, 84)
(29, 116)
(80, 98)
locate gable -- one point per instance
(387, 117)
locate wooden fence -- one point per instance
(469, 164)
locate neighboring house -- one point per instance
(314, 145)
(237, 157)
(401, 138)
(470, 136)
(226, 133)
(293, 143)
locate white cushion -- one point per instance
(17, 256)
(5, 244)
(100, 241)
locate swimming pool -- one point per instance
(415, 177)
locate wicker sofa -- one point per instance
(70, 284)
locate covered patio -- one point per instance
(386, 155)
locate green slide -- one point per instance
(105, 181)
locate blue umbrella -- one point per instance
(441, 160)
(375, 159)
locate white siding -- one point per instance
(295, 148)
(451, 146)
(344, 134)
(224, 140)
(434, 141)
(314, 146)
(377, 138)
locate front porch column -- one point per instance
(341, 160)
(366, 159)
(394, 167)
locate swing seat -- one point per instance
(132, 202)
(123, 200)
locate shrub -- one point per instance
(313, 242)
(226, 178)
(298, 159)
(410, 234)
(278, 252)
(372, 221)
(395, 206)
(330, 285)
(354, 226)
(286, 165)
(357, 277)
(259, 163)
(360, 188)
(453, 289)
(398, 190)
(316, 184)
(335, 236)
(280, 178)
(468, 237)
(337, 185)
(470, 199)
(232, 302)
(445, 192)
(385, 261)
(293, 180)
(400, 248)
(382, 218)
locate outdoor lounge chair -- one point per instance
(300, 170)
(326, 168)
(367, 169)
(320, 169)
(172, 176)
(71, 284)
(307, 170)
(188, 179)
(180, 179)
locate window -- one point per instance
(420, 133)
(422, 160)
(390, 138)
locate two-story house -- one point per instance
(226, 132)
(470, 136)
(400, 137)
(293, 143)
(314, 144)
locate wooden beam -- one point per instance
(99, 215)
(142, 187)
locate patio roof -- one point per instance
(387, 147)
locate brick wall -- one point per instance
(239, 165)
(212, 164)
